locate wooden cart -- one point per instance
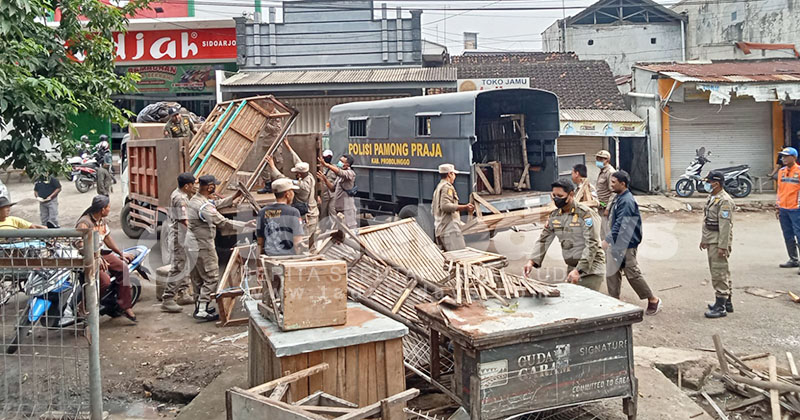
(543, 354)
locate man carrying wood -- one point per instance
(305, 198)
(204, 219)
(344, 188)
(177, 280)
(717, 240)
(577, 227)
(326, 209)
(579, 178)
(446, 211)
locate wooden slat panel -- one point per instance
(341, 372)
(315, 381)
(373, 373)
(363, 374)
(351, 374)
(395, 370)
(329, 376)
(380, 370)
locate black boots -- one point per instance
(728, 305)
(203, 312)
(790, 264)
(718, 309)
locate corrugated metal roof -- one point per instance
(747, 71)
(311, 77)
(599, 115)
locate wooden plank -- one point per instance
(774, 394)
(723, 362)
(246, 406)
(380, 371)
(291, 378)
(375, 408)
(300, 363)
(315, 381)
(395, 370)
(480, 200)
(341, 371)
(330, 357)
(363, 374)
(714, 405)
(351, 374)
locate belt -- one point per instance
(712, 227)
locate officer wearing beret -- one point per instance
(577, 227)
(717, 240)
(445, 208)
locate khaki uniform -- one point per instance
(581, 190)
(605, 195)
(104, 181)
(177, 280)
(204, 220)
(578, 230)
(183, 128)
(342, 201)
(306, 194)
(718, 234)
(446, 219)
(326, 209)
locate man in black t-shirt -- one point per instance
(280, 226)
(46, 191)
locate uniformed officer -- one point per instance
(717, 240)
(305, 198)
(204, 220)
(578, 229)
(177, 280)
(605, 194)
(326, 209)
(179, 125)
(446, 211)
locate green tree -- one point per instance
(42, 82)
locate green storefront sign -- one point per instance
(178, 78)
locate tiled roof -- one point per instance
(311, 77)
(578, 84)
(778, 70)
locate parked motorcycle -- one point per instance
(55, 296)
(737, 178)
(84, 167)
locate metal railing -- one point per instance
(49, 324)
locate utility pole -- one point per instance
(563, 26)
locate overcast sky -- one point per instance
(498, 30)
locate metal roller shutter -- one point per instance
(736, 134)
(315, 112)
(589, 146)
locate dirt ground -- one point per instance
(166, 353)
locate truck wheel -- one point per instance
(125, 219)
(423, 217)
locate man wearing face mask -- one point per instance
(577, 227)
(326, 196)
(604, 192)
(204, 220)
(343, 188)
(717, 239)
(446, 211)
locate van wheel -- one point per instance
(422, 215)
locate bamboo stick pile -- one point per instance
(474, 256)
(485, 282)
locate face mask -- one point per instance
(599, 164)
(340, 164)
(560, 202)
(327, 159)
(707, 186)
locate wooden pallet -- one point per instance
(240, 278)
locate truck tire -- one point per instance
(125, 218)
(423, 217)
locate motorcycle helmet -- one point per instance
(84, 138)
(103, 145)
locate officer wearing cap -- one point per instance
(446, 211)
(577, 227)
(280, 225)
(604, 192)
(305, 199)
(326, 197)
(787, 204)
(717, 240)
(204, 220)
(178, 279)
(179, 125)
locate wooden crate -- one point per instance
(154, 165)
(365, 356)
(304, 293)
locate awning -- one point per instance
(720, 94)
(403, 77)
(601, 123)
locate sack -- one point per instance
(301, 207)
(352, 191)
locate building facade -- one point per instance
(714, 28)
(620, 33)
(742, 111)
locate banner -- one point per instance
(187, 44)
(180, 78)
(465, 85)
(602, 129)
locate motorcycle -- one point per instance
(737, 178)
(55, 295)
(85, 178)
(84, 168)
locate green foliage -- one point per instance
(41, 82)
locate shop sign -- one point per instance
(181, 78)
(465, 85)
(602, 129)
(188, 44)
